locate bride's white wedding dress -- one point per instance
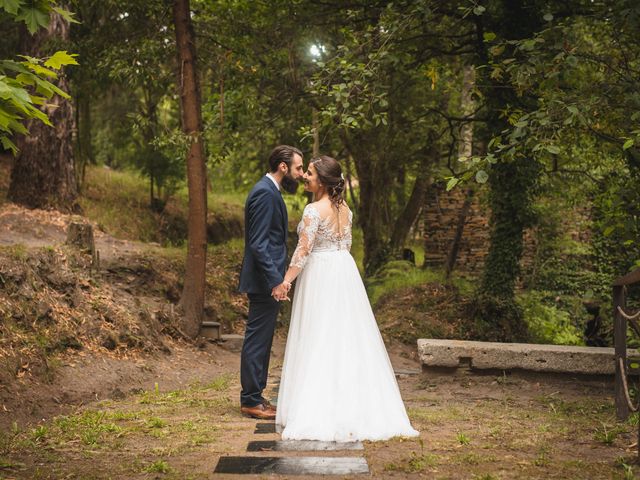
(337, 381)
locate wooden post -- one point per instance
(81, 235)
(620, 340)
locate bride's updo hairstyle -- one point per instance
(330, 175)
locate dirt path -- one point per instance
(472, 426)
(172, 415)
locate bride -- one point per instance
(337, 381)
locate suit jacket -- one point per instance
(265, 239)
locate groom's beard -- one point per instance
(289, 184)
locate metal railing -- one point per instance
(622, 319)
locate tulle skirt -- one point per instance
(337, 381)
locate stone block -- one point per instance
(521, 356)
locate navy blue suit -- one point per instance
(263, 268)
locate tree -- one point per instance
(17, 77)
(192, 299)
(43, 175)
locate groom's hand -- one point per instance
(280, 292)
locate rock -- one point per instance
(522, 356)
(232, 342)
(109, 342)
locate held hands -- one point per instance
(281, 292)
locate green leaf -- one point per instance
(66, 14)
(482, 176)
(552, 149)
(489, 36)
(60, 58)
(453, 181)
(34, 18)
(40, 70)
(628, 144)
(573, 109)
(25, 79)
(8, 144)
(479, 10)
(13, 94)
(609, 230)
(11, 6)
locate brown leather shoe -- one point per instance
(259, 411)
(269, 405)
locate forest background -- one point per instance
(529, 106)
(498, 134)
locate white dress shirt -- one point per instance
(274, 180)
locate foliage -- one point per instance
(396, 275)
(28, 83)
(616, 215)
(547, 323)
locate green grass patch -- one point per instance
(547, 322)
(118, 201)
(414, 463)
(159, 466)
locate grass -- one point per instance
(118, 201)
(463, 439)
(414, 463)
(159, 466)
(141, 434)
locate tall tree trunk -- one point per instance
(408, 216)
(84, 147)
(192, 300)
(372, 182)
(350, 183)
(316, 133)
(43, 175)
(465, 149)
(512, 183)
(457, 239)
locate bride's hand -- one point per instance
(280, 292)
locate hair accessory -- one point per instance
(342, 176)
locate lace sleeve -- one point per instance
(347, 234)
(307, 230)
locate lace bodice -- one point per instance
(317, 234)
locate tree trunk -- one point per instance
(316, 133)
(512, 185)
(457, 239)
(465, 149)
(192, 299)
(43, 175)
(410, 213)
(350, 184)
(84, 147)
(371, 203)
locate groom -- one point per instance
(262, 274)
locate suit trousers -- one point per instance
(256, 349)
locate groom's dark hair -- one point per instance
(282, 153)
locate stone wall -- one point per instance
(439, 223)
(439, 220)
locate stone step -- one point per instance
(265, 428)
(301, 446)
(293, 465)
(522, 356)
(231, 342)
(210, 330)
